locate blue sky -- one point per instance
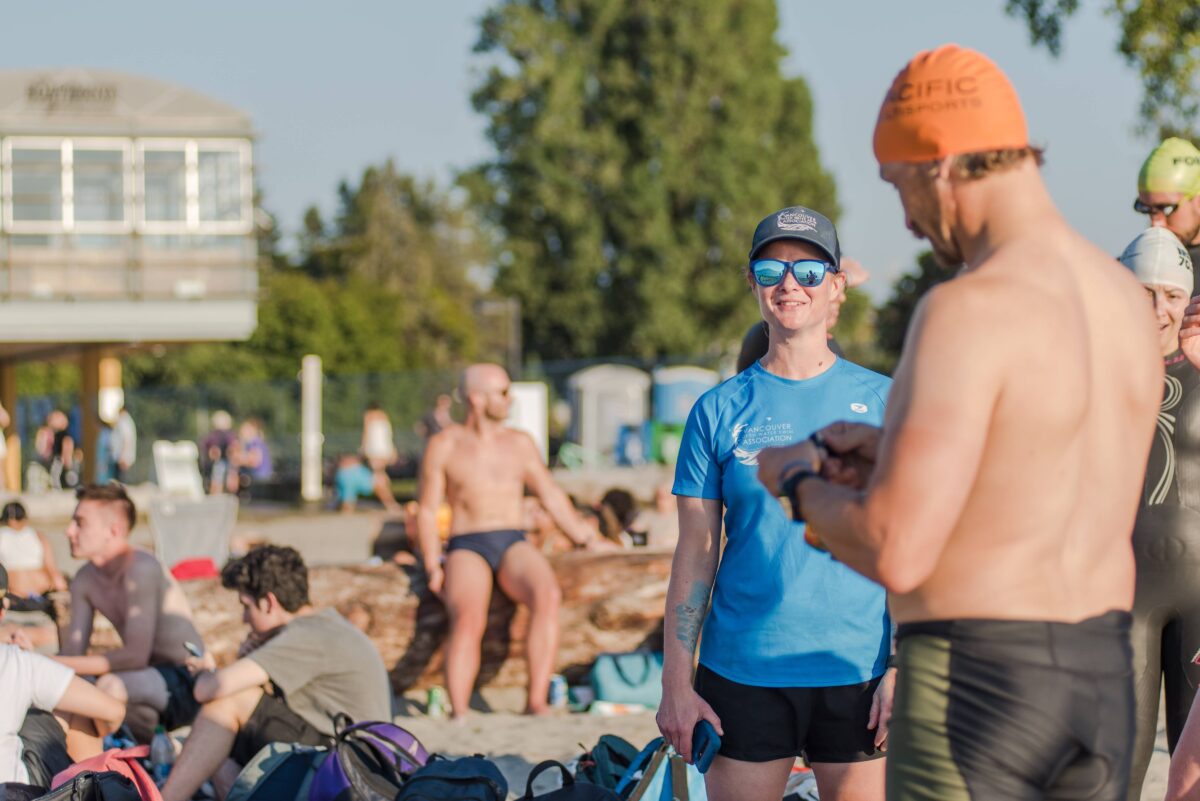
(333, 88)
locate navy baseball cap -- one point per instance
(798, 222)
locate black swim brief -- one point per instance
(825, 724)
(491, 545)
(1009, 709)
(182, 706)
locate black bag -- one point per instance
(570, 791)
(607, 762)
(107, 785)
(15, 791)
(466, 779)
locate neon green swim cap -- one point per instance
(1173, 166)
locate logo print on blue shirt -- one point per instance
(746, 436)
(858, 408)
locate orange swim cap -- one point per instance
(948, 101)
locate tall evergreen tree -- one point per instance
(637, 145)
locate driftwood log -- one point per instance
(611, 602)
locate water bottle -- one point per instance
(162, 755)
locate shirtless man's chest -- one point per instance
(485, 480)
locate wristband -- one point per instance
(891, 661)
(791, 484)
(818, 442)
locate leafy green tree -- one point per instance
(1160, 38)
(893, 317)
(855, 331)
(637, 145)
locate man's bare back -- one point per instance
(110, 595)
(1044, 529)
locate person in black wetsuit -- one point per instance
(1166, 538)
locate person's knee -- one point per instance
(547, 597)
(235, 708)
(469, 623)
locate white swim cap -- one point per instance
(1157, 257)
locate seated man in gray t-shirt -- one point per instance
(297, 669)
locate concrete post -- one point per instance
(311, 438)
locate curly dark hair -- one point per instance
(270, 569)
(109, 493)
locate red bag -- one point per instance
(121, 760)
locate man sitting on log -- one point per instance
(482, 468)
(296, 670)
(144, 603)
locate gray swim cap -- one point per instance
(1157, 257)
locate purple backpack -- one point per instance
(367, 762)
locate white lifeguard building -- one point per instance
(126, 217)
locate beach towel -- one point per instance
(570, 791)
(121, 760)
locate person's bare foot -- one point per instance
(540, 710)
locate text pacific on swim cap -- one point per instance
(898, 98)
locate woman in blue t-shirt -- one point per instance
(795, 644)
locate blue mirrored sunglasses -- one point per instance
(807, 272)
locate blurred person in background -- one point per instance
(216, 452)
(122, 446)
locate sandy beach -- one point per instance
(516, 743)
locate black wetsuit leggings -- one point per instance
(1166, 627)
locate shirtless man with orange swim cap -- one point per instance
(996, 504)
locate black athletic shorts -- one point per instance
(825, 724)
(1010, 709)
(43, 747)
(273, 721)
(182, 706)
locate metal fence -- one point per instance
(185, 412)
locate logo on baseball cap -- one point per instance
(804, 224)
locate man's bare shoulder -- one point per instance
(144, 567)
(85, 577)
(444, 441)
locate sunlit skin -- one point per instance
(1184, 222)
(928, 205)
(790, 309)
(1169, 304)
(969, 401)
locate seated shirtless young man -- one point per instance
(145, 605)
(482, 468)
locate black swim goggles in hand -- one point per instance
(807, 272)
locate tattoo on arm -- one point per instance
(689, 615)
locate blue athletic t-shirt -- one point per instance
(783, 613)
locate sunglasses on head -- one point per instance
(807, 272)
(1165, 209)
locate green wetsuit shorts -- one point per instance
(1010, 709)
